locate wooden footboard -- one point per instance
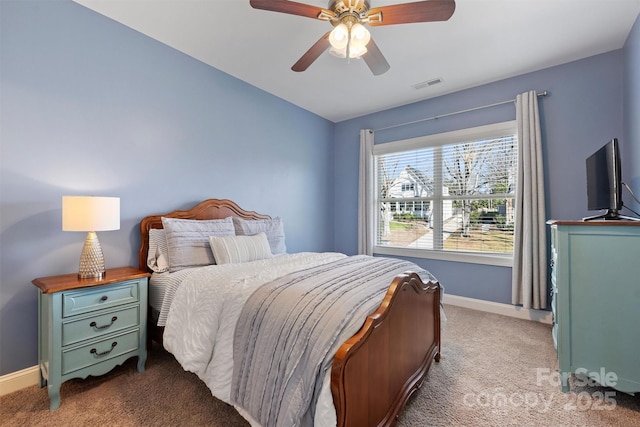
(375, 372)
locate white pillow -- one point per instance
(158, 253)
(236, 249)
(273, 228)
(188, 240)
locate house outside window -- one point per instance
(448, 196)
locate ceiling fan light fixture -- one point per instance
(359, 35)
(354, 52)
(358, 38)
(349, 40)
(357, 51)
(339, 53)
(339, 37)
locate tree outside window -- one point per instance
(452, 196)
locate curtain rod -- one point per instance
(543, 93)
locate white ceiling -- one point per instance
(484, 41)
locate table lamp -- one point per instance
(91, 214)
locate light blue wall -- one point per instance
(631, 159)
(92, 107)
(582, 112)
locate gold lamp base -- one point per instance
(91, 259)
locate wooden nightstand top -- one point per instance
(71, 281)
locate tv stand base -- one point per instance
(607, 217)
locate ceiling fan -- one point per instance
(349, 37)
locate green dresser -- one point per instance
(89, 326)
(595, 276)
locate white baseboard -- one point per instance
(18, 380)
(30, 376)
(541, 316)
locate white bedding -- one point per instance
(205, 308)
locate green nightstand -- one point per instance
(90, 326)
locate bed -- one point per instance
(372, 371)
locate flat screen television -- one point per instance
(604, 182)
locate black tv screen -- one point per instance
(604, 180)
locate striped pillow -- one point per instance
(236, 249)
(188, 240)
(157, 257)
(273, 228)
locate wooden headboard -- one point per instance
(208, 209)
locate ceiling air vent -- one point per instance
(427, 83)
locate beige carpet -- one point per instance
(494, 371)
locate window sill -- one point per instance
(472, 258)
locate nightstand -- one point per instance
(89, 326)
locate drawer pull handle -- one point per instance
(95, 352)
(95, 326)
(104, 298)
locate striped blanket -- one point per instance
(290, 329)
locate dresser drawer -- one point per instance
(93, 353)
(85, 301)
(96, 326)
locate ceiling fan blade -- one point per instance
(291, 7)
(312, 54)
(375, 59)
(407, 13)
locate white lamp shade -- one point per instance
(87, 213)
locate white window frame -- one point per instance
(459, 136)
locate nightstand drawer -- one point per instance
(93, 353)
(96, 326)
(84, 301)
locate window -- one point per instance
(448, 196)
